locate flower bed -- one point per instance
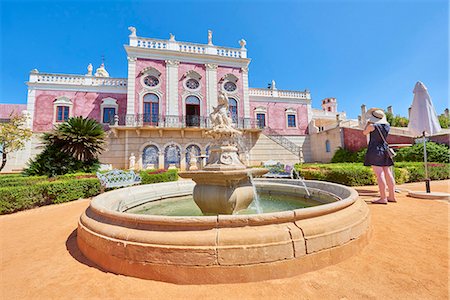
(355, 174)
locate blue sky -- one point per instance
(369, 52)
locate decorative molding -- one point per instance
(192, 74)
(150, 71)
(131, 58)
(244, 69)
(260, 109)
(172, 62)
(211, 66)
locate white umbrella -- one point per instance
(423, 120)
(423, 116)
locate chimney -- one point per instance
(446, 113)
(409, 112)
(389, 110)
(363, 113)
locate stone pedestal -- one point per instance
(222, 192)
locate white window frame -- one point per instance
(150, 71)
(261, 110)
(61, 101)
(108, 103)
(191, 74)
(291, 111)
(232, 78)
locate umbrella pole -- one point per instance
(427, 180)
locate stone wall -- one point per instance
(318, 144)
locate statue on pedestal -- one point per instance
(132, 160)
(210, 37)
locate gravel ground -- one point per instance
(407, 258)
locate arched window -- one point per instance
(196, 151)
(151, 109)
(150, 157)
(327, 146)
(233, 106)
(192, 111)
(172, 156)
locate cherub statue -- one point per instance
(219, 116)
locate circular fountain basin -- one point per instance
(222, 248)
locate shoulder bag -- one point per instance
(390, 151)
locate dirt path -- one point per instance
(407, 258)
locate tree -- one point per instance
(396, 121)
(82, 138)
(73, 146)
(444, 121)
(13, 136)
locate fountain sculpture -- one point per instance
(223, 186)
(220, 246)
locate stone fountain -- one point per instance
(223, 186)
(223, 247)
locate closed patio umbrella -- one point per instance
(423, 120)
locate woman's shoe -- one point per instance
(380, 201)
(392, 200)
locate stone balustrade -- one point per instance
(280, 93)
(65, 79)
(172, 45)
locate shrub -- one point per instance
(52, 162)
(348, 174)
(153, 176)
(355, 174)
(435, 153)
(20, 180)
(346, 156)
(18, 198)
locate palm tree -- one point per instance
(82, 138)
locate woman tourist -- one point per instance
(377, 154)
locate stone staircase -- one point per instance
(283, 141)
(285, 149)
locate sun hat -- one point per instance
(376, 116)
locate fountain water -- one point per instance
(255, 195)
(302, 181)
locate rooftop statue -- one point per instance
(89, 68)
(133, 30)
(210, 37)
(101, 71)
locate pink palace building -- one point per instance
(159, 113)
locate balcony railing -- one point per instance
(279, 93)
(66, 79)
(167, 121)
(172, 45)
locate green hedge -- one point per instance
(16, 198)
(21, 180)
(355, 174)
(155, 176)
